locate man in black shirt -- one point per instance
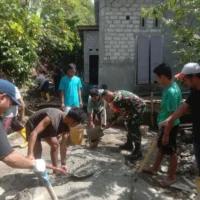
(190, 74)
(47, 124)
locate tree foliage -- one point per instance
(33, 31)
(182, 17)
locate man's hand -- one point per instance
(63, 106)
(165, 140)
(164, 124)
(91, 125)
(31, 157)
(81, 104)
(64, 167)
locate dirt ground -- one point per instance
(112, 179)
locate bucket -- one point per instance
(144, 129)
(76, 135)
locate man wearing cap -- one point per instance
(96, 107)
(190, 74)
(7, 154)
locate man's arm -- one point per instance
(33, 136)
(62, 100)
(22, 111)
(169, 122)
(63, 149)
(80, 98)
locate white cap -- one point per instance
(189, 68)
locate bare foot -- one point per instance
(150, 171)
(167, 182)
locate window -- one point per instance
(156, 23)
(142, 22)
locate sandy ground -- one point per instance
(112, 178)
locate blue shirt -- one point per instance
(70, 87)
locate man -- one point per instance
(7, 154)
(70, 87)
(171, 100)
(10, 118)
(48, 124)
(43, 85)
(190, 74)
(134, 108)
(96, 108)
(57, 75)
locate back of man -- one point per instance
(171, 100)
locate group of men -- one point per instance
(50, 123)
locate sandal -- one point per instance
(167, 183)
(149, 171)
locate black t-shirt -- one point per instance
(194, 102)
(56, 127)
(5, 148)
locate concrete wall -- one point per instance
(118, 42)
(91, 45)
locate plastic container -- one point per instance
(76, 136)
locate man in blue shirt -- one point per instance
(70, 87)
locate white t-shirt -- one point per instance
(13, 110)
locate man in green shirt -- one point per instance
(171, 100)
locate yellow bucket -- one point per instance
(76, 136)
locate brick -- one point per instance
(111, 25)
(125, 22)
(115, 46)
(129, 34)
(119, 30)
(107, 46)
(129, 26)
(125, 54)
(122, 17)
(121, 42)
(116, 54)
(119, 13)
(109, 13)
(123, 9)
(112, 50)
(117, 21)
(113, 42)
(113, 17)
(111, 30)
(109, 21)
(121, 25)
(128, 30)
(121, 34)
(116, 38)
(124, 46)
(123, 38)
(108, 38)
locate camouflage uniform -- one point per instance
(134, 107)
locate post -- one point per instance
(152, 110)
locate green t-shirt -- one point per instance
(171, 100)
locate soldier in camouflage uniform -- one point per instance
(134, 108)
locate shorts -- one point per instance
(197, 154)
(170, 148)
(45, 87)
(101, 115)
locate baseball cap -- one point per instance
(9, 88)
(189, 68)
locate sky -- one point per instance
(92, 1)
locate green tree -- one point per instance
(182, 17)
(39, 30)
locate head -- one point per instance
(94, 93)
(163, 74)
(104, 86)
(7, 95)
(71, 70)
(108, 96)
(190, 74)
(56, 66)
(74, 117)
